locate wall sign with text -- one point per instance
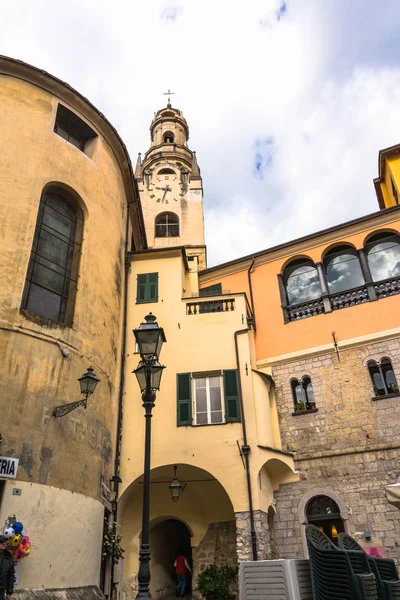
(8, 467)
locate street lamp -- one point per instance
(88, 383)
(149, 338)
(175, 487)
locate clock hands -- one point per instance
(165, 190)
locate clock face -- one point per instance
(166, 189)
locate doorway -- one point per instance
(168, 539)
(324, 513)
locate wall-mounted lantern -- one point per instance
(88, 383)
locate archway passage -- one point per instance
(168, 539)
(323, 512)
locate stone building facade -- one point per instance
(347, 449)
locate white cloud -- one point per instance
(327, 93)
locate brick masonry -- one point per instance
(351, 446)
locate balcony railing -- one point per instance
(390, 287)
(359, 295)
(210, 306)
(350, 298)
(304, 310)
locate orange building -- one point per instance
(327, 330)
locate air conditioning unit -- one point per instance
(282, 579)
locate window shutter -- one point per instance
(232, 406)
(211, 290)
(153, 287)
(147, 287)
(184, 399)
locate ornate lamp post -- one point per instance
(149, 338)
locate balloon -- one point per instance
(18, 527)
(8, 532)
(25, 539)
(16, 540)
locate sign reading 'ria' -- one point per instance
(8, 467)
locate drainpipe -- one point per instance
(251, 293)
(120, 397)
(246, 448)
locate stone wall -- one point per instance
(243, 535)
(218, 547)
(350, 446)
(347, 417)
(359, 481)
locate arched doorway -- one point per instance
(168, 539)
(323, 512)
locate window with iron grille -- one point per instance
(70, 127)
(50, 284)
(208, 400)
(212, 398)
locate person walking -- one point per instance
(6, 571)
(181, 567)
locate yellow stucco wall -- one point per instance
(197, 342)
(61, 461)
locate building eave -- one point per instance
(379, 218)
(42, 79)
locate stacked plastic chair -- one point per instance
(332, 574)
(384, 569)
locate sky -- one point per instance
(288, 101)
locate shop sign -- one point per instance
(8, 467)
(105, 495)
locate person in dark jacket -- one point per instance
(6, 571)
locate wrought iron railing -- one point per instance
(304, 310)
(210, 306)
(349, 298)
(390, 287)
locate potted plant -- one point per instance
(214, 582)
(299, 406)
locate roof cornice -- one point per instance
(330, 234)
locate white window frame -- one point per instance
(207, 378)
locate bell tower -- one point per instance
(170, 186)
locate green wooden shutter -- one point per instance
(147, 287)
(232, 406)
(152, 287)
(184, 398)
(141, 288)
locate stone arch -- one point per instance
(336, 245)
(303, 515)
(382, 230)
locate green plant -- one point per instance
(214, 581)
(299, 406)
(111, 539)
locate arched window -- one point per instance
(343, 270)
(167, 225)
(50, 285)
(383, 378)
(383, 252)
(168, 137)
(301, 281)
(323, 512)
(303, 394)
(166, 172)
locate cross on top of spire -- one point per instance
(169, 94)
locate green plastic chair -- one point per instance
(332, 574)
(384, 569)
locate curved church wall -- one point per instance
(61, 461)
